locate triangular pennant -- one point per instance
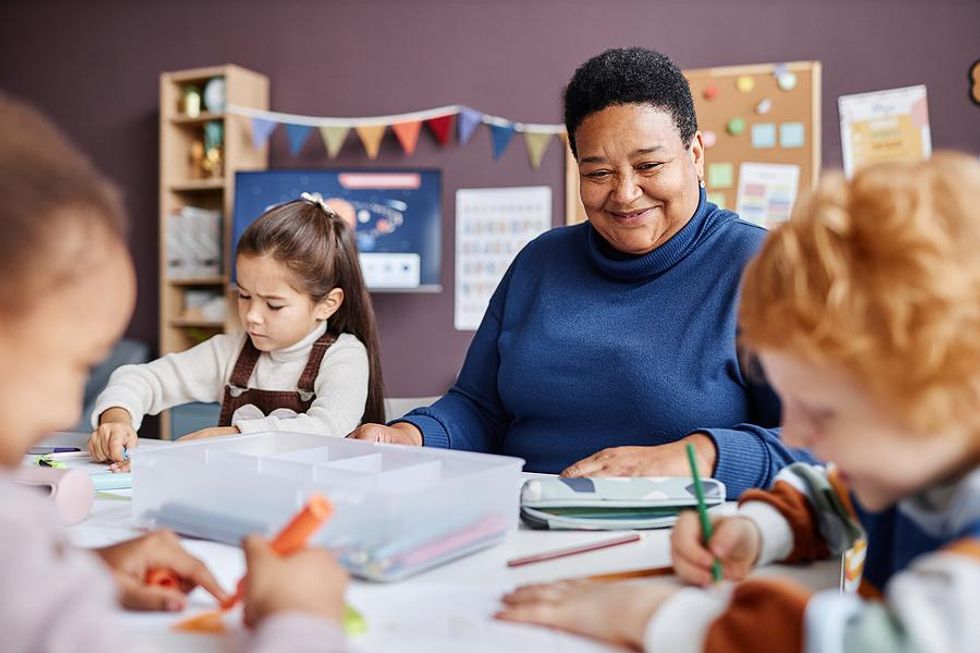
(408, 135)
(537, 144)
(333, 139)
(440, 128)
(371, 136)
(469, 120)
(261, 131)
(501, 135)
(297, 137)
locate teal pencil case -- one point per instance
(612, 503)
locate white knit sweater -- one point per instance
(200, 374)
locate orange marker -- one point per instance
(289, 540)
(292, 537)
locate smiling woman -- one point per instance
(610, 344)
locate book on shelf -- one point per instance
(193, 241)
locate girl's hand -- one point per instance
(212, 432)
(308, 581)
(399, 433)
(114, 435)
(130, 561)
(613, 612)
(735, 542)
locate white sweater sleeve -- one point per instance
(341, 390)
(197, 374)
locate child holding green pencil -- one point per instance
(864, 312)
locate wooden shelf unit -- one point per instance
(179, 186)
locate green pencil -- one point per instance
(716, 575)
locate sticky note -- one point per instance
(791, 134)
(764, 106)
(710, 93)
(720, 175)
(709, 138)
(717, 198)
(764, 135)
(735, 126)
(745, 84)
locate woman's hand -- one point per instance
(399, 433)
(612, 612)
(660, 460)
(130, 561)
(308, 581)
(735, 542)
(212, 432)
(113, 436)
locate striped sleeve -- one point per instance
(817, 508)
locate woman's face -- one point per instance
(638, 182)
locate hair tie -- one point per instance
(317, 200)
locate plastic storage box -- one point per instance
(398, 510)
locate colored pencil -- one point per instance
(716, 574)
(649, 572)
(573, 550)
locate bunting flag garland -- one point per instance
(469, 120)
(408, 135)
(440, 128)
(261, 131)
(501, 135)
(537, 143)
(407, 128)
(371, 136)
(333, 139)
(297, 137)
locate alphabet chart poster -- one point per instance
(492, 226)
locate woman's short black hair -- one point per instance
(629, 76)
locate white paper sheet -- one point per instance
(890, 125)
(766, 192)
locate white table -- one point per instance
(445, 609)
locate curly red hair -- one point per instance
(881, 275)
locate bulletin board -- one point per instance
(779, 109)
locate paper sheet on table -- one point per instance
(437, 617)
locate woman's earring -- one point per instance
(701, 182)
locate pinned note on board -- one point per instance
(764, 135)
(791, 134)
(720, 175)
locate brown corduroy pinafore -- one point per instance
(238, 394)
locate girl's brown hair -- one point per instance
(881, 275)
(320, 251)
(54, 206)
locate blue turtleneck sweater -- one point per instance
(583, 348)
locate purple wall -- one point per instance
(94, 67)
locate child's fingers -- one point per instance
(136, 596)
(691, 572)
(95, 446)
(171, 555)
(119, 441)
(728, 541)
(686, 540)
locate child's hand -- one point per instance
(399, 433)
(114, 435)
(613, 612)
(130, 561)
(735, 542)
(307, 581)
(211, 432)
